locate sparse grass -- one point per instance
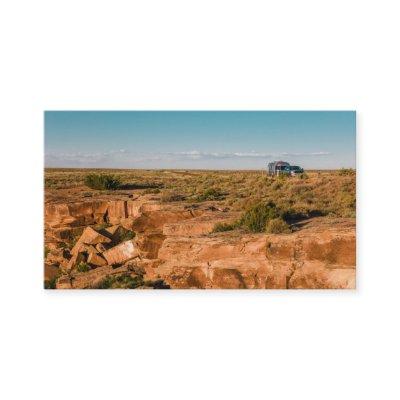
(102, 182)
(310, 193)
(210, 194)
(224, 227)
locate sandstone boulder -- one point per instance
(89, 236)
(121, 253)
(96, 259)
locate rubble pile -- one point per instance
(106, 257)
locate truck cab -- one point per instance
(295, 169)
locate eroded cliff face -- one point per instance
(174, 244)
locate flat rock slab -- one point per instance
(121, 253)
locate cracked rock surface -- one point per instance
(144, 243)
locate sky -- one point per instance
(200, 139)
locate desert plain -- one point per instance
(199, 229)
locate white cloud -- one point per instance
(195, 154)
(123, 157)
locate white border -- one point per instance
(199, 55)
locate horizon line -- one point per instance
(192, 169)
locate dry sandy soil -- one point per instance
(180, 229)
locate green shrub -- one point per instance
(211, 194)
(102, 182)
(256, 218)
(277, 225)
(46, 252)
(82, 267)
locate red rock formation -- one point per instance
(175, 244)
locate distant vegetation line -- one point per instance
(86, 169)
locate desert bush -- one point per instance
(82, 267)
(346, 172)
(211, 194)
(277, 225)
(102, 182)
(256, 218)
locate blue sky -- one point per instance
(199, 139)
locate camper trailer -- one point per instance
(282, 167)
(278, 168)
